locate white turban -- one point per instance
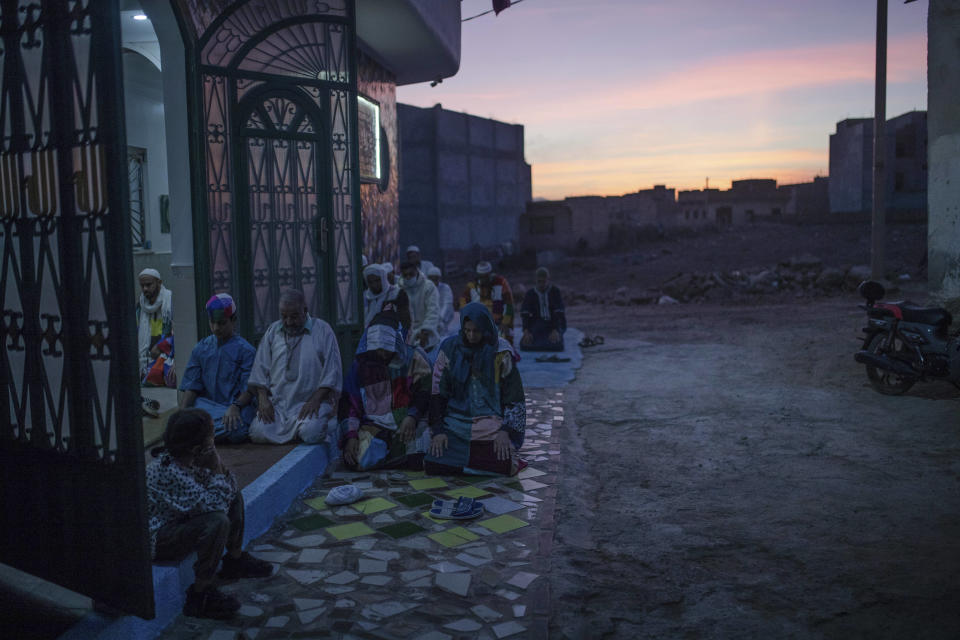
(153, 273)
(413, 247)
(433, 271)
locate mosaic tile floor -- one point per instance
(384, 568)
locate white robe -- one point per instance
(424, 310)
(447, 324)
(162, 309)
(315, 363)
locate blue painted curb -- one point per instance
(264, 499)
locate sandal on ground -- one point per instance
(459, 509)
(552, 359)
(246, 566)
(586, 342)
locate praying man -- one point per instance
(296, 377)
(216, 376)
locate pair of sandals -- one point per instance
(590, 342)
(459, 509)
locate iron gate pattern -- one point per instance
(303, 50)
(71, 448)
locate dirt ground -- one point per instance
(729, 472)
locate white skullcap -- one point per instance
(387, 267)
(484, 267)
(413, 247)
(363, 260)
(153, 273)
(433, 271)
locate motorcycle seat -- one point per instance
(925, 315)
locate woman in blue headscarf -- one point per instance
(477, 408)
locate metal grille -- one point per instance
(283, 204)
(70, 436)
(273, 219)
(136, 157)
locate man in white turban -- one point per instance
(154, 320)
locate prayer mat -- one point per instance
(401, 529)
(454, 537)
(414, 499)
(347, 531)
(310, 523)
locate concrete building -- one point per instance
(807, 200)
(656, 206)
(851, 157)
(851, 166)
(573, 224)
(463, 184)
(943, 96)
(744, 202)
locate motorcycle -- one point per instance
(905, 344)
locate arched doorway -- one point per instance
(251, 55)
(283, 202)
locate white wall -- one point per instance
(143, 105)
(943, 135)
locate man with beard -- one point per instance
(297, 376)
(155, 328)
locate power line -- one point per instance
(514, 2)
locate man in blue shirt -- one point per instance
(216, 376)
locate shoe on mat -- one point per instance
(246, 566)
(212, 603)
(344, 494)
(460, 509)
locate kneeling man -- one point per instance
(296, 376)
(216, 376)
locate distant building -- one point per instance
(656, 206)
(745, 202)
(851, 166)
(806, 199)
(578, 223)
(463, 182)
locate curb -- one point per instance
(264, 499)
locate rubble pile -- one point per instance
(804, 276)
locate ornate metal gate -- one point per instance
(71, 444)
(281, 189)
(276, 93)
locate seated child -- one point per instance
(193, 504)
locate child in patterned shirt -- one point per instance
(194, 505)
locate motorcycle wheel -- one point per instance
(888, 382)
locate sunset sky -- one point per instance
(619, 95)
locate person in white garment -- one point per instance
(154, 317)
(379, 293)
(447, 325)
(424, 307)
(413, 255)
(297, 376)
